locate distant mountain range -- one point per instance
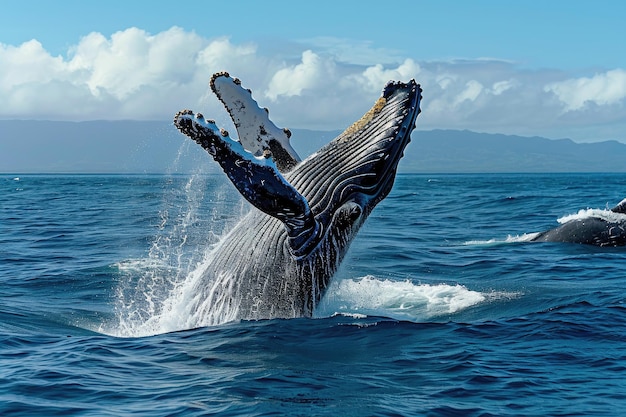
(465, 151)
(156, 147)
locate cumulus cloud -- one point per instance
(133, 74)
(290, 81)
(602, 89)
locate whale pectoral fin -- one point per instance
(256, 178)
(255, 130)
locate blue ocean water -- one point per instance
(442, 307)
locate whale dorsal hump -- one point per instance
(620, 208)
(257, 133)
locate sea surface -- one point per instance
(442, 307)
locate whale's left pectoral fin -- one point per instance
(256, 132)
(256, 177)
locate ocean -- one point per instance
(441, 308)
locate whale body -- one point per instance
(279, 259)
(606, 228)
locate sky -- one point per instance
(555, 68)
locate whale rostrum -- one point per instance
(279, 259)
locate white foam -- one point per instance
(403, 300)
(526, 237)
(606, 215)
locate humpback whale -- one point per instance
(279, 259)
(600, 228)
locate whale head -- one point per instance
(348, 177)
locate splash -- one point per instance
(153, 292)
(402, 300)
(180, 308)
(159, 294)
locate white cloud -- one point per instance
(471, 92)
(445, 80)
(292, 80)
(602, 89)
(376, 76)
(224, 55)
(501, 86)
(28, 63)
(137, 75)
(130, 75)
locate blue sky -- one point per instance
(548, 68)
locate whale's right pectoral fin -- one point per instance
(256, 177)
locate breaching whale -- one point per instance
(600, 228)
(279, 259)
